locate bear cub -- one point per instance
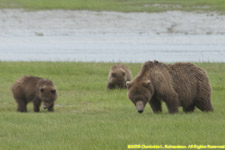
(118, 76)
(179, 84)
(34, 89)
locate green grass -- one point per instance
(118, 5)
(88, 117)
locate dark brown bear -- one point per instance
(118, 76)
(35, 89)
(180, 84)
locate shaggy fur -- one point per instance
(180, 84)
(118, 76)
(35, 89)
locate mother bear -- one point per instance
(180, 84)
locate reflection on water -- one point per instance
(108, 48)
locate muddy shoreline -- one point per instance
(60, 35)
(63, 22)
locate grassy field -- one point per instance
(118, 5)
(88, 117)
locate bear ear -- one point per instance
(147, 84)
(42, 90)
(128, 84)
(53, 91)
(123, 73)
(113, 74)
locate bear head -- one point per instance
(48, 94)
(140, 93)
(117, 79)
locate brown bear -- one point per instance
(118, 76)
(35, 89)
(179, 84)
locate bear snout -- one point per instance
(47, 104)
(45, 107)
(140, 111)
(140, 106)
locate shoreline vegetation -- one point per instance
(118, 5)
(88, 117)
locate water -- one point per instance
(114, 48)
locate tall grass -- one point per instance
(88, 117)
(118, 5)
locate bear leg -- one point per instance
(155, 105)
(203, 99)
(172, 102)
(111, 86)
(21, 106)
(51, 108)
(188, 109)
(36, 104)
(204, 105)
(165, 91)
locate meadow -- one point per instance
(118, 5)
(88, 117)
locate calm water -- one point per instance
(115, 47)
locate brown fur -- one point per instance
(35, 89)
(180, 84)
(118, 76)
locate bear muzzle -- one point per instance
(44, 106)
(140, 106)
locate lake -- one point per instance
(114, 48)
(60, 35)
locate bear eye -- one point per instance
(53, 91)
(42, 90)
